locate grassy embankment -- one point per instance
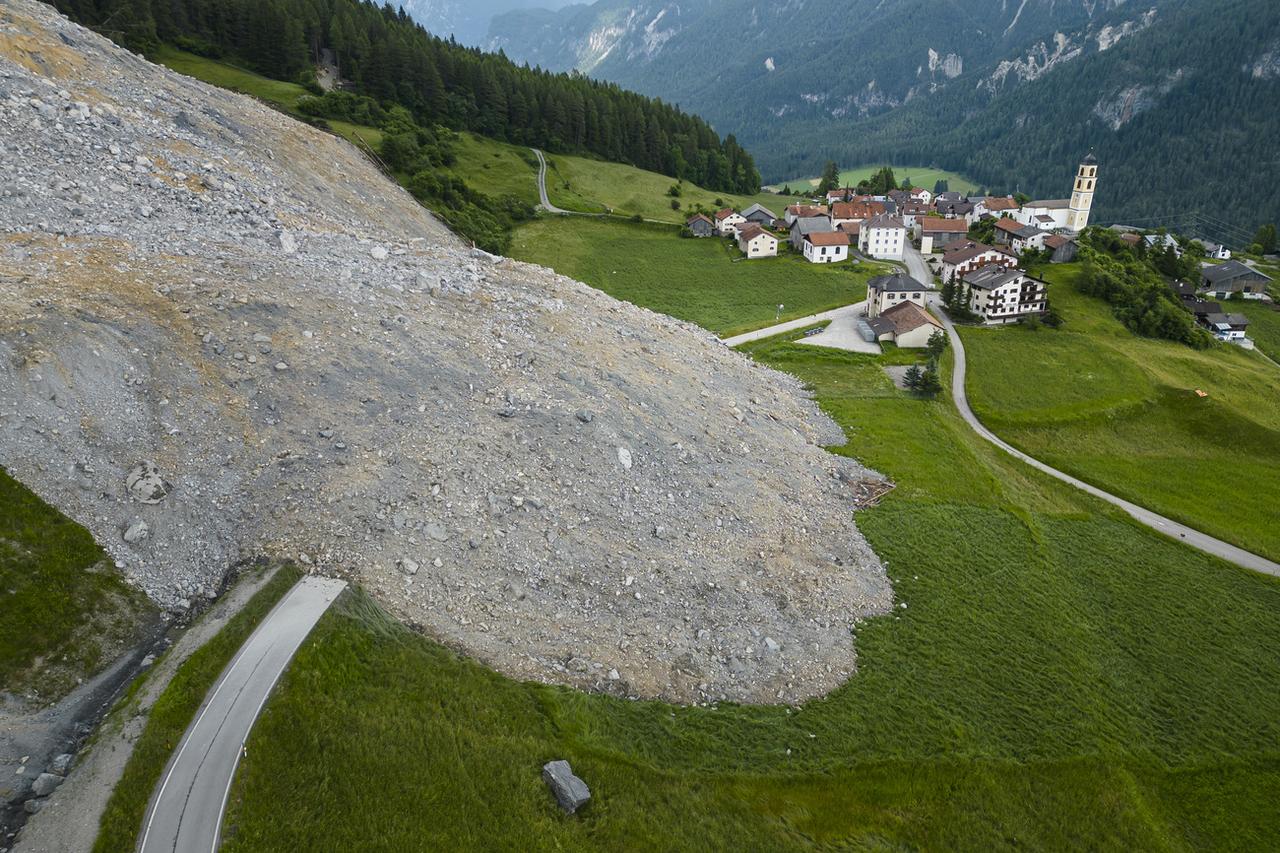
(1121, 412)
(700, 280)
(1264, 325)
(64, 609)
(172, 713)
(1060, 679)
(920, 177)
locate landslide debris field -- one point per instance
(224, 334)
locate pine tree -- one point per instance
(913, 377)
(830, 177)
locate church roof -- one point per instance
(1089, 159)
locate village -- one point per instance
(967, 256)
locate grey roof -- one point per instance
(1218, 273)
(759, 208)
(949, 195)
(812, 224)
(883, 220)
(879, 326)
(1089, 159)
(991, 276)
(1229, 320)
(896, 283)
(1050, 203)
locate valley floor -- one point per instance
(1048, 682)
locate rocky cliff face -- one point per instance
(223, 334)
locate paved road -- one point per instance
(186, 811)
(791, 325)
(916, 266)
(1156, 522)
(542, 185)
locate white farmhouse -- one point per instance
(826, 247)
(728, 221)
(882, 237)
(755, 242)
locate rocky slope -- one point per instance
(223, 333)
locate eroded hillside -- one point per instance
(224, 334)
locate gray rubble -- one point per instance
(224, 334)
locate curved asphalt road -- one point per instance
(1156, 522)
(542, 185)
(186, 811)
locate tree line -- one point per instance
(387, 56)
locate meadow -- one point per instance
(1121, 412)
(920, 177)
(1264, 325)
(596, 186)
(1060, 678)
(700, 280)
(66, 611)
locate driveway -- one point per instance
(846, 312)
(186, 810)
(1159, 523)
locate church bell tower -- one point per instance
(1082, 193)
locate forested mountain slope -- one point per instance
(1171, 94)
(383, 53)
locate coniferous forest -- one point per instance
(388, 57)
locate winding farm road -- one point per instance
(185, 813)
(1156, 522)
(542, 185)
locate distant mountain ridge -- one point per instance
(1009, 92)
(467, 20)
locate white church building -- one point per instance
(1065, 214)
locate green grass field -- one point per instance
(1264, 325)
(169, 717)
(920, 177)
(1060, 679)
(698, 280)
(64, 609)
(497, 169)
(1121, 412)
(595, 186)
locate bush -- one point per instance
(675, 204)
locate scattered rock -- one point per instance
(378, 253)
(145, 483)
(137, 532)
(408, 566)
(46, 784)
(61, 764)
(570, 791)
(624, 458)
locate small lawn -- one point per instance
(1121, 412)
(65, 612)
(276, 92)
(700, 280)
